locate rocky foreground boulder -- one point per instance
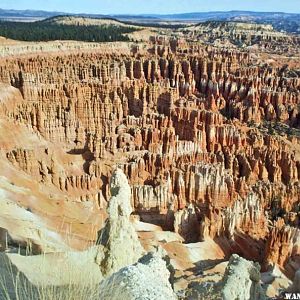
(242, 280)
(147, 279)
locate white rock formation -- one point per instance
(242, 280)
(242, 212)
(151, 197)
(119, 243)
(145, 280)
(119, 204)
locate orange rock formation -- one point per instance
(191, 126)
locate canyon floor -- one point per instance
(165, 167)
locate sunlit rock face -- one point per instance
(191, 126)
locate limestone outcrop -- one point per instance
(119, 245)
(208, 137)
(242, 280)
(185, 130)
(147, 279)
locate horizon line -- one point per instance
(149, 14)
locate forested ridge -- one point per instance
(40, 31)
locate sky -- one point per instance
(151, 6)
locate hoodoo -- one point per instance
(120, 138)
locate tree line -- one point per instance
(39, 31)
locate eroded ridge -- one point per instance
(208, 137)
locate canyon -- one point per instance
(207, 135)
